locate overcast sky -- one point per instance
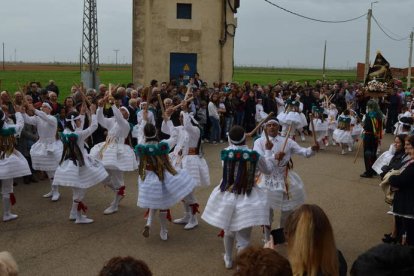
(50, 30)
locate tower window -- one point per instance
(183, 11)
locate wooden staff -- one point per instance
(313, 128)
(81, 90)
(287, 138)
(358, 149)
(23, 92)
(250, 134)
(180, 104)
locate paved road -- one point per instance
(45, 242)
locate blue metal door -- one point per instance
(182, 66)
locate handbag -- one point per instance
(386, 186)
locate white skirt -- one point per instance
(295, 119)
(232, 212)
(342, 136)
(357, 130)
(46, 156)
(282, 117)
(90, 174)
(14, 166)
(154, 194)
(304, 121)
(197, 168)
(275, 189)
(116, 156)
(382, 160)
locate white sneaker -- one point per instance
(326, 144)
(183, 220)
(164, 234)
(349, 149)
(192, 223)
(343, 152)
(110, 210)
(302, 137)
(49, 194)
(81, 219)
(228, 263)
(9, 217)
(55, 196)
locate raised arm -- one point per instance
(43, 116)
(189, 127)
(104, 122)
(119, 118)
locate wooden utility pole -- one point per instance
(410, 57)
(324, 63)
(368, 44)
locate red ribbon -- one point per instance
(121, 191)
(221, 234)
(168, 214)
(12, 199)
(82, 207)
(194, 208)
(146, 214)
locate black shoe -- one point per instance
(366, 175)
(389, 239)
(26, 180)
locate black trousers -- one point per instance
(370, 152)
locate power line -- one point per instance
(382, 29)
(314, 19)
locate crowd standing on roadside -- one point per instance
(91, 137)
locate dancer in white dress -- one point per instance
(47, 151)
(320, 124)
(187, 155)
(160, 185)
(236, 205)
(342, 133)
(77, 169)
(332, 123)
(12, 163)
(116, 156)
(291, 119)
(284, 187)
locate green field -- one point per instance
(65, 78)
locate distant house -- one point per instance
(173, 39)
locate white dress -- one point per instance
(320, 128)
(188, 138)
(14, 165)
(114, 153)
(233, 212)
(91, 173)
(156, 194)
(332, 113)
(274, 183)
(343, 136)
(47, 151)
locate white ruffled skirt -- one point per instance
(70, 175)
(116, 156)
(46, 156)
(342, 136)
(274, 187)
(232, 212)
(154, 194)
(14, 166)
(195, 166)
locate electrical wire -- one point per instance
(382, 29)
(314, 19)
